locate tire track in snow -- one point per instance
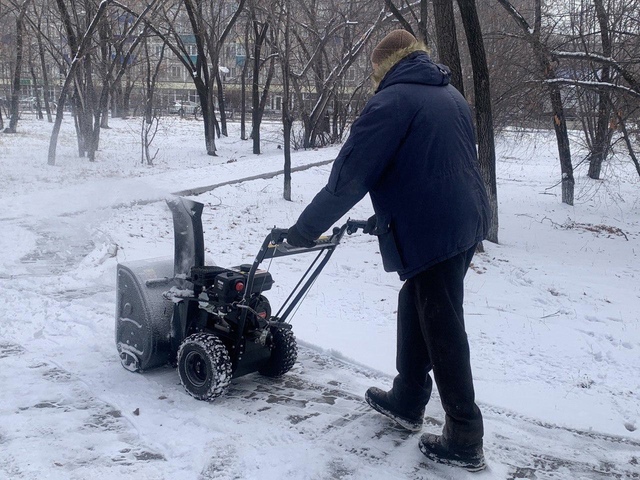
(52, 423)
(320, 403)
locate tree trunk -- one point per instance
(484, 114)
(91, 112)
(117, 111)
(105, 73)
(423, 32)
(53, 142)
(243, 87)
(628, 143)
(287, 119)
(602, 141)
(208, 116)
(256, 115)
(104, 111)
(205, 95)
(34, 80)
(287, 124)
(221, 105)
(45, 80)
(564, 149)
(243, 103)
(447, 41)
(15, 93)
(126, 97)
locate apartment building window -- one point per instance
(276, 103)
(175, 71)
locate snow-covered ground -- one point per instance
(552, 314)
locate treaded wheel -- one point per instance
(204, 366)
(284, 352)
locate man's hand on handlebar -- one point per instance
(367, 226)
(370, 226)
(295, 238)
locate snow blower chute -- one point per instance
(213, 323)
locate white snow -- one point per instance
(552, 314)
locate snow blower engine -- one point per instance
(212, 322)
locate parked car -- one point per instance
(184, 108)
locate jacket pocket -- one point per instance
(391, 258)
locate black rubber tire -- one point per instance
(204, 366)
(284, 352)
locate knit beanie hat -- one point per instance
(393, 42)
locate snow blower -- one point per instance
(213, 323)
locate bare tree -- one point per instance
(287, 114)
(323, 53)
(304, 45)
(21, 11)
(40, 41)
(151, 117)
(264, 33)
(595, 51)
(88, 104)
(547, 72)
(48, 37)
(211, 24)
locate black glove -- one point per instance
(295, 239)
(370, 226)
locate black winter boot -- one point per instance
(435, 448)
(385, 403)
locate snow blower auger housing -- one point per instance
(214, 323)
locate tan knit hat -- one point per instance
(394, 41)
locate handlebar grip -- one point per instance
(354, 225)
(278, 235)
(324, 239)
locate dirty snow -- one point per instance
(552, 315)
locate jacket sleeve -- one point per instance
(375, 137)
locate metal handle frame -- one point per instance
(274, 246)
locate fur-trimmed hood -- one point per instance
(421, 69)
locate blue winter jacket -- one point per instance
(413, 150)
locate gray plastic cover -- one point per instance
(143, 314)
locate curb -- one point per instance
(208, 188)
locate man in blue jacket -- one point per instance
(413, 150)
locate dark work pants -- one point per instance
(431, 336)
